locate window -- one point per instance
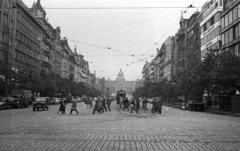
(205, 27)
(230, 15)
(238, 10)
(235, 15)
(235, 32)
(230, 35)
(216, 32)
(239, 30)
(223, 22)
(223, 42)
(216, 17)
(212, 21)
(226, 37)
(236, 50)
(226, 20)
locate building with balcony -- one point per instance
(230, 32)
(92, 80)
(7, 22)
(162, 61)
(193, 51)
(25, 38)
(180, 47)
(47, 43)
(65, 70)
(148, 71)
(57, 53)
(211, 26)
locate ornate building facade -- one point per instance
(120, 84)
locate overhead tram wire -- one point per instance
(118, 8)
(124, 25)
(190, 6)
(109, 48)
(161, 37)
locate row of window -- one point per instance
(3, 55)
(231, 16)
(26, 58)
(27, 41)
(234, 49)
(231, 34)
(208, 50)
(215, 18)
(213, 34)
(21, 18)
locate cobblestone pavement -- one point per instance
(23, 129)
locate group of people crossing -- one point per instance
(103, 104)
(139, 104)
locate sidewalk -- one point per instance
(211, 110)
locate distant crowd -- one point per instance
(103, 104)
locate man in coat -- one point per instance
(108, 101)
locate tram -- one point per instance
(120, 94)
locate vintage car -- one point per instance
(8, 103)
(55, 101)
(41, 103)
(5, 104)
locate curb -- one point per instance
(207, 111)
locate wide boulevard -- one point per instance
(174, 129)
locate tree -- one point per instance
(7, 80)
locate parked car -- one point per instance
(5, 104)
(54, 100)
(8, 102)
(41, 103)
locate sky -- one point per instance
(117, 34)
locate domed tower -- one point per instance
(120, 81)
(120, 74)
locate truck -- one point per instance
(22, 97)
(41, 103)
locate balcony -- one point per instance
(45, 59)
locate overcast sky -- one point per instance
(125, 31)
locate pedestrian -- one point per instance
(120, 103)
(137, 104)
(97, 106)
(91, 102)
(104, 103)
(74, 106)
(144, 105)
(61, 107)
(159, 106)
(65, 104)
(154, 105)
(108, 101)
(133, 105)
